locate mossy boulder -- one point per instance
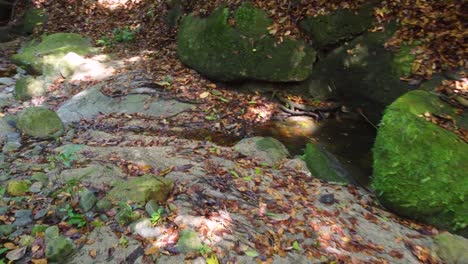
(244, 51)
(265, 149)
(58, 247)
(451, 248)
(40, 122)
(419, 167)
(363, 68)
(324, 165)
(142, 189)
(18, 187)
(34, 18)
(339, 26)
(46, 56)
(29, 87)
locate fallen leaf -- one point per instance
(16, 254)
(204, 95)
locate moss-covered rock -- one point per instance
(46, 57)
(245, 51)
(18, 187)
(265, 149)
(58, 247)
(189, 241)
(29, 87)
(452, 248)
(142, 189)
(339, 26)
(34, 18)
(365, 69)
(40, 122)
(324, 166)
(419, 167)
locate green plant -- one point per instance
(156, 216)
(66, 157)
(73, 218)
(204, 249)
(124, 34)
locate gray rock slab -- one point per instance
(104, 241)
(91, 102)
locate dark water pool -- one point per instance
(349, 139)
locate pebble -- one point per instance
(327, 199)
(23, 218)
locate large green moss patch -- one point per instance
(245, 51)
(45, 56)
(420, 168)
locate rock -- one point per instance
(103, 205)
(58, 247)
(23, 218)
(265, 149)
(451, 248)
(91, 102)
(18, 187)
(151, 207)
(327, 199)
(363, 68)
(36, 187)
(6, 230)
(87, 200)
(243, 52)
(419, 167)
(47, 57)
(105, 241)
(6, 81)
(29, 87)
(5, 129)
(189, 241)
(338, 26)
(40, 122)
(174, 14)
(34, 18)
(148, 187)
(324, 165)
(40, 177)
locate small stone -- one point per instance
(52, 232)
(327, 199)
(36, 187)
(41, 213)
(18, 187)
(189, 241)
(6, 230)
(7, 81)
(58, 249)
(151, 207)
(103, 205)
(23, 218)
(87, 200)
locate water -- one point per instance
(350, 139)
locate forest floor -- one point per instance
(243, 207)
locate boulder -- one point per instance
(451, 248)
(324, 165)
(142, 189)
(244, 51)
(18, 187)
(40, 122)
(29, 87)
(364, 68)
(339, 26)
(48, 56)
(265, 149)
(58, 247)
(34, 18)
(419, 167)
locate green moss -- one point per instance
(142, 189)
(323, 166)
(403, 60)
(419, 167)
(251, 22)
(29, 87)
(18, 188)
(339, 26)
(221, 52)
(34, 18)
(40, 122)
(45, 56)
